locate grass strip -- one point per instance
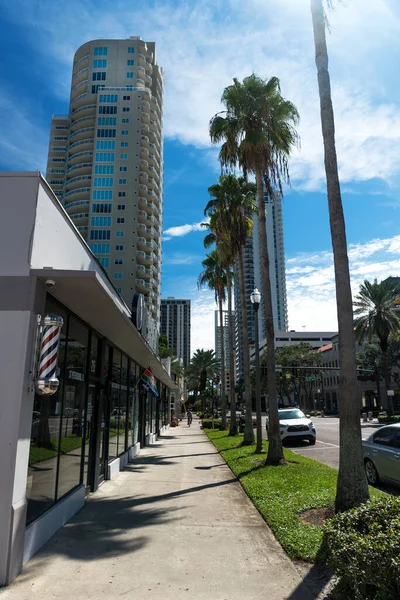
(281, 493)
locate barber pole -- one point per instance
(47, 382)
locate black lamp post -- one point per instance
(255, 298)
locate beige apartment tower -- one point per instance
(105, 162)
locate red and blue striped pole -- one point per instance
(47, 382)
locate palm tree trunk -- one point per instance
(352, 488)
(275, 450)
(248, 437)
(233, 426)
(223, 401)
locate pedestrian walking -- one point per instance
(189, 417)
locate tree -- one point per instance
(293, 377)
(377, 315)
(257, 131)
(233, 201)
(214, 276)
(203, 366)
(164, 351)
(352, 488)
(220, 235)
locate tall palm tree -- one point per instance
(352, 488)
(205, 366)
(378, 315)
(214, 276)
(221, 237)
(257, 131)
(233, 198)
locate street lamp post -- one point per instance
(255, 298)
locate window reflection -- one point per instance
(73, 421)
(45, 432)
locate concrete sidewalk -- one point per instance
(174, 525)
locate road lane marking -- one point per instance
(328, 444)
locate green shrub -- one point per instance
(207, 423)
(363, 548)
(383, 418)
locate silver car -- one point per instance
(382, 455)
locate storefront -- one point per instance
(57, 448)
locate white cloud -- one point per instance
(182, 259)
(203, 44)
(311, 289)
(182, 230)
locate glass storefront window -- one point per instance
(73, 411)
(45, 432)
(122, 437)
(133, 405)
(115, 409)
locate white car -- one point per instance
(294, 424)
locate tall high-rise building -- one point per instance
(105, 162)
(225, 331)
(175, 324)
(253, 277)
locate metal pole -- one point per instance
(258, 387)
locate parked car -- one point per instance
(382, 455)
(294, 425)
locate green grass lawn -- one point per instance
(68, 443)
(281, 493)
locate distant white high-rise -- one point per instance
(253, 277)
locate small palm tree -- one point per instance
(378, 315)
(257, 131)
(233, 200)
(214, 276)
(352, 488)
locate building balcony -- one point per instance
(149, 67)
(79, 157)
(145, 141)
(84, 168)
(143, 189)
(145, 117)
(145, 231)
(142, 285)
(144, 153)
(80, 219)
(141, 59)
(140, 82)
(80, 75)
(85, 120)
(83, 111)
(79, 88)
(143, 271)
(78, 194)
(153, 161)
(144, 165)
(80, 146)
(84, 61)
(76, 206)
(78, 181)
(142, 243)
(144, 217)
(144, 257)
(143, 177)
(79, 101)
(81, 134)
(141, 70)
(145, 129)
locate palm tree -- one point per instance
(205, 366)
(214, 277)
(352, 488)
(220, 236)
(233, 199)
(378, 315)
(257, 131)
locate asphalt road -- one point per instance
(326, 449)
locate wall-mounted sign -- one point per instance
(137, 311)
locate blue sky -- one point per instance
(201, 46)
